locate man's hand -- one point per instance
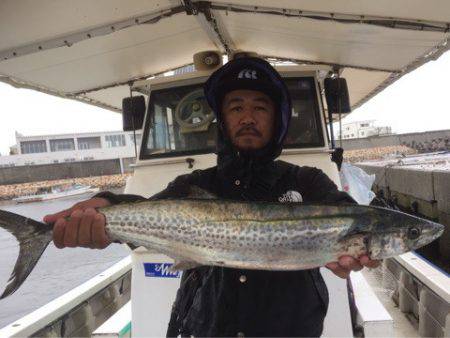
(346, 264)
(80, 225)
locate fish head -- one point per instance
(399, 233)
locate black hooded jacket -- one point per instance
(217, 301)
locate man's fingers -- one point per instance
(52, 218)
(85, 229)
(95, 202)
(78, 225)
(346, 264)
(58, 232)
(366, 261)
(71, 233)
(338, 270)
(99, 237)
(350, 263)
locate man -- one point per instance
(253, 109)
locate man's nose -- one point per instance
(248, 116)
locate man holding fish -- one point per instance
(253, 109)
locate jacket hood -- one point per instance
(254, 74)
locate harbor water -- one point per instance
(58, 270)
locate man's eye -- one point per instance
(260, 108)
(236, 108)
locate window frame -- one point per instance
(53, 142)
(81, 141)
(196, 82)
(110, 136)
(29, 143)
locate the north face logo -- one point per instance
(247, 74)
(291, 196)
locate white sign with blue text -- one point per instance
(160, 270)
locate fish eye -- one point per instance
(413, 232)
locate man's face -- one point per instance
(249, 117)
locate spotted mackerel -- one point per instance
(249, 235)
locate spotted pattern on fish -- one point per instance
(259, 235)
(269, 236)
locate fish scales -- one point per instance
(250, 235)
(244, 235)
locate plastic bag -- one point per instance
(357, 183)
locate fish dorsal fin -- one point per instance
(199, 193)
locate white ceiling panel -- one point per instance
(433, 10)
(112, 96)
(328, 41)
(110, 45)
(114, 58)
(27, 21)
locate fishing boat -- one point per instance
(56, 191)
(149, 59)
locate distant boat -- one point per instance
(56, 191)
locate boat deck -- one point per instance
(384, 287)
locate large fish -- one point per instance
(249, 235)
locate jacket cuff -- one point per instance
(119, 198)
(108, 195)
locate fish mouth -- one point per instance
(430, 233)
(439, 231)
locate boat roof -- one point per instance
(92, 50)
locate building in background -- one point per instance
(361, 129)
(63, 148)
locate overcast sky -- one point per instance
(417, 102)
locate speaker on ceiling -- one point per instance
(207, 60)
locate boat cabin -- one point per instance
(179, 129)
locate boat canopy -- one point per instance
(93, 50)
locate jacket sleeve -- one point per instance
(119, 198)
(320, 188)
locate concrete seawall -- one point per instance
(425, 191)
(58, 171)
(423, 142)
(107, 182)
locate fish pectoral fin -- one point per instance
(132, 246)
(197, 192)
(142, 249)
(183, 265)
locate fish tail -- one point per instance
(33, 237)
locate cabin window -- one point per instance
(31, 147)
(180, 121)
(62, 144)
(305, 129)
